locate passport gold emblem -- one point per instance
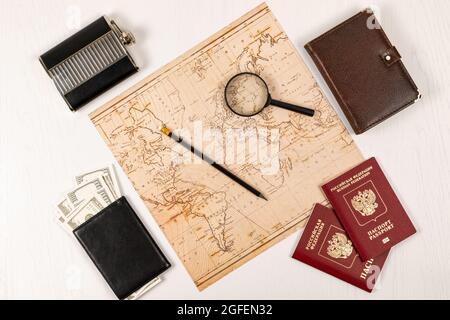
(364, 202)
(340, 247)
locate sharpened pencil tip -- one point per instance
(262, 197)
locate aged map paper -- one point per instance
(213, 224)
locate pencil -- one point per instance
(166, 131)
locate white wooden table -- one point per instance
(43, 145)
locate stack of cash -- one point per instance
(94, 191)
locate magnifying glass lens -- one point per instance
(246, 94)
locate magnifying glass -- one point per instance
(247, 94)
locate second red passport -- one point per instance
(369, 210)
(325, 245)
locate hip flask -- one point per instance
(90, 62)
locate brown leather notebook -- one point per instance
(364, 71)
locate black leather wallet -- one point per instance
(121, 248)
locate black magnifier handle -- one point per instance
(306, 111)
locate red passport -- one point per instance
(326, 246)
(368, 209)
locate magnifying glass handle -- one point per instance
(306, 111)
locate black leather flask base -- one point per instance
(121, 248)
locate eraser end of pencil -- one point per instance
(165, 130)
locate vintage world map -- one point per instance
(212, 223)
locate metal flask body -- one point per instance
(90, 62)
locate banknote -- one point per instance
(65, 207)
(139, 293)
(64, 216)
(59, 217)
(107, 174)
(85, 191)
(94, 191)
(84, 212)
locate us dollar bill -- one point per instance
(86, 191)
(65, 207)
(107, 174)
(140, 292)
(83, 213)
(61, 216)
